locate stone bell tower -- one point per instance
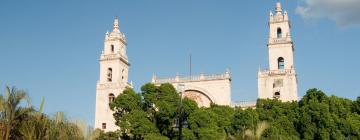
(114, 67)
(279, 81)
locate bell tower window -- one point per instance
(103, 125)
(279, 33)
(281, 63)
(111, 97)
(109, 75)
(112, 48)
(276, 95)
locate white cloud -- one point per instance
(344, 12)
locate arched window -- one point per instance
(281, 63)
(111, 97)
(112, 48)
(279, 33)
(109, 75)
(103, 125)
(277, 95)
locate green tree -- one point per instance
(204, 124)
(126, 102)
(163, 103)
(323, 117)
(155, 136)
(282, 118)
(107, 135)
(136, 125)
(35, 125)
(154, 112)
(224, 116)
(356, 105)
(243, 120)
(11, 113)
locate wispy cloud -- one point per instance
(343, 12)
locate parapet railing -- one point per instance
(111, 85)
(277, 72)
(286, 39)
(201, 77)
(244, 104)
(112, 56)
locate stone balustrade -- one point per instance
(280, 40)
(113, 56)
(201, 77)
(277, 72)
(113, 85)
(244, 104)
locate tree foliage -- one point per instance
(153, 113)
(26, 123)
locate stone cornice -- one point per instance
(113, 85)
(114, 57)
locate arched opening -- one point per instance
(276, 95)
(199, 97)
(111, 97)
(109, 74)
(112, 48)
(279, 33)
(103, 125)
(281, 63)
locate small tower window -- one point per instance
(103, 125)
(109, 75)
(277, 95)
(112, 48)
(111, 97)
(279, 33)
(281, 64)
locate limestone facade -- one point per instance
(203, 89)
(279, 81)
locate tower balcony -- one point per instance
(276, 72)
(114, 56)
(114, 85)
(283, 40)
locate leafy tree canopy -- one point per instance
(155, 112)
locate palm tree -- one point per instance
(255, 134)
(35, 125)
(10, 110)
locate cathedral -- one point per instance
(279, 81)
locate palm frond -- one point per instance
(2, 102)
(59, 117)
(262, 126)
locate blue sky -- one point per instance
(51, 48)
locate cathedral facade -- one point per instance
(277, 82)
(203, 89)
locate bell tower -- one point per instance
(114, 67)
(279, 81)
